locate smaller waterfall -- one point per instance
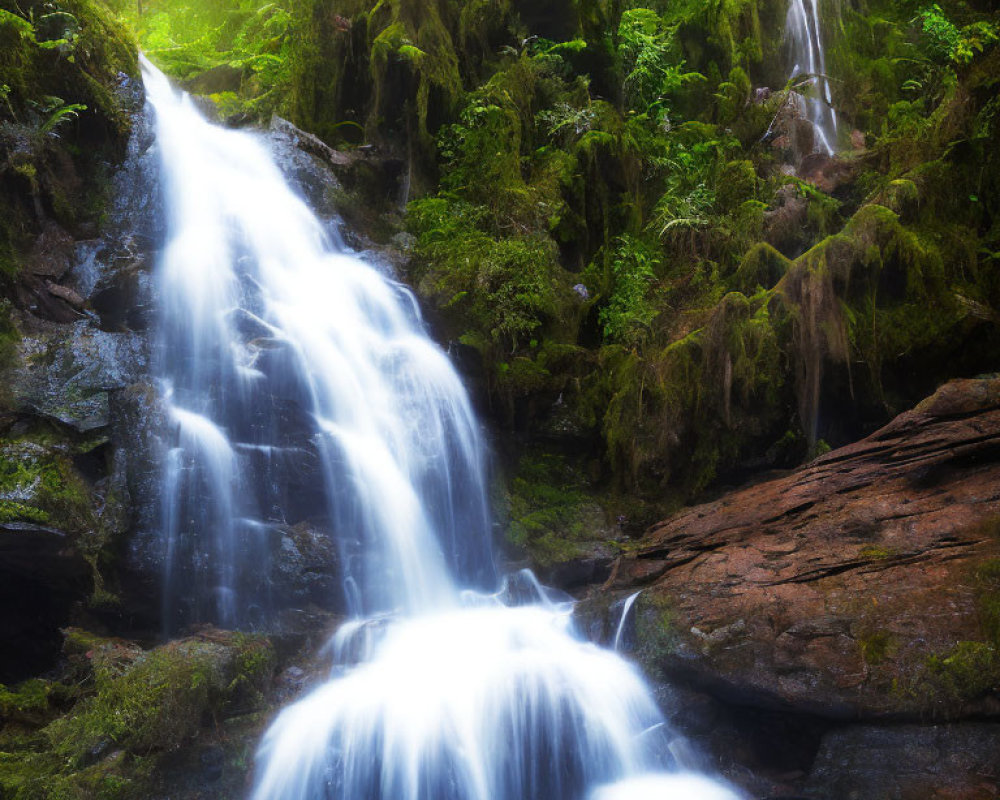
(804, 36)
(626, 607)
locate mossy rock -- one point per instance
(157, 701)
(40, 485)
(134, 707)
(553, 514)
(761, 268)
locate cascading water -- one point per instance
(804, 36)
(276, 351)
(440, 690)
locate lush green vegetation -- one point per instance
(733, 315)
(64, 99)
(607, 212)
(607, 207)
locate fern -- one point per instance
(60, 115)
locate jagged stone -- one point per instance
(66, 371)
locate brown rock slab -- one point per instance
(857, 587)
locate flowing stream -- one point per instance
(804, 35)
(448, 682)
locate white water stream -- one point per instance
(804, 35)
(441, 690)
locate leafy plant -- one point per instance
(947, 41)
(59, 113)
(253, 37)
(630, 309)
(652, 71)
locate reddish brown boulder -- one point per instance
(864, 585)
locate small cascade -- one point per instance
(620, 631)
(804, 37)
(447, 682)
(487, 703)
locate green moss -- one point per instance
(705, 398)
(968, 672)
(131, 707)
(30, 701)
(11, 511)
(157, 701)
(656, 631)
(553, 514)
(40, 485)
(737, 183)
(255, 661)
(987, 585)
(876, 553)
(37, 777)
(877, 647)
(946, 682)
(63, 119)
(35, 714)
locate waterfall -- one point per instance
(447, 683)
(620, 630)
(804, 36)
(275, 351)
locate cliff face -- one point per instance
(863, 588)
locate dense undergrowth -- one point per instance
(65, 71)
(612, 210)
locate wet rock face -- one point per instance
(833, 590)
(311, 165)
(306, 566)
(71, 464)
(66, 372)
(139, 427)
(908, 762)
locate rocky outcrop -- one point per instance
(65, 372)
(83, 431)
(71, 477)
(864, 586)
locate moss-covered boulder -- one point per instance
(847, 580)
(120, 713)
